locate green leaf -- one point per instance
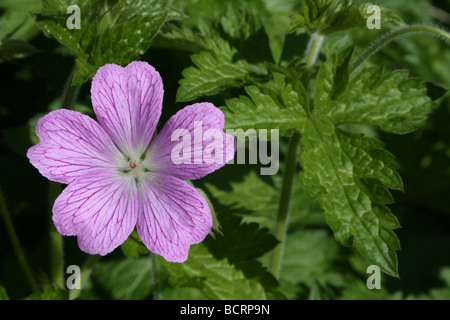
(230, 58)
(217, 279)
(280, 104)
(234, 243)
(393, 102)
(310, 259)
(128, 279)
(349, 173)
(328, 16)
(215, 70)
(133, 246)
(111, 32)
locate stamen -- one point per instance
(132, 165)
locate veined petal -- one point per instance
(128, 103)
(174, 216)
(71, 144)
(99, 208)
(192, 143)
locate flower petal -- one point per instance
(128, 103)
(71, 144)
(174, 216)
(200, 127)
(100, 208)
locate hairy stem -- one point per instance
(16, 244)
(386, 39)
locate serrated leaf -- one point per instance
(328, 16)
(281, 104)
(393, 102)
(217, 279)
(230, 58)
(349, 173)
(215, 70)
(240, 241)
(114, 32)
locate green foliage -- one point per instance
(110, 32)
(328, 16)
(128, 279)
(228, 58)
(133, 246)
(253, 58)
(279, 104)
(348, 173)
(214, 71)
(217, 279)
(226, 266)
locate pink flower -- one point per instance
(118, 177)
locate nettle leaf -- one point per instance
(110, 32)
(230, 58)
(393, 101)
(349, 173)
(217, 279)
(279, 104)
(328, 16)
(215, 70)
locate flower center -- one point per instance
(135, 169)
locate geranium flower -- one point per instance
(118, 178)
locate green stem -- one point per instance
(85, 273)
(386, 39)
(69, 97)
(312, 52)
(283, 209)
(16, 244)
